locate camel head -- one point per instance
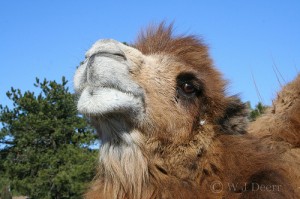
(162, 86)
(161, 92)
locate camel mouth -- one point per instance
(103, 101)
(108, 92)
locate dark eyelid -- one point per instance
(185, 77)
(190, 79)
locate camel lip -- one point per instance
(93, 89)
(103, 101)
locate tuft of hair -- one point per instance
(235, 119)
(193, 53)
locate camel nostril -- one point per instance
(106, 47)
(116, 56)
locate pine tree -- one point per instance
(46, 153)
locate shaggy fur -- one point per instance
(182, 136)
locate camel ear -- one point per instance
(235, 118)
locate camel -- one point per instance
(169, 130)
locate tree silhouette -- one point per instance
(46, 153)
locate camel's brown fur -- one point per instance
(218, 159)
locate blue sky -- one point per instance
(48, 39)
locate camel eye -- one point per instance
(188, 88)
